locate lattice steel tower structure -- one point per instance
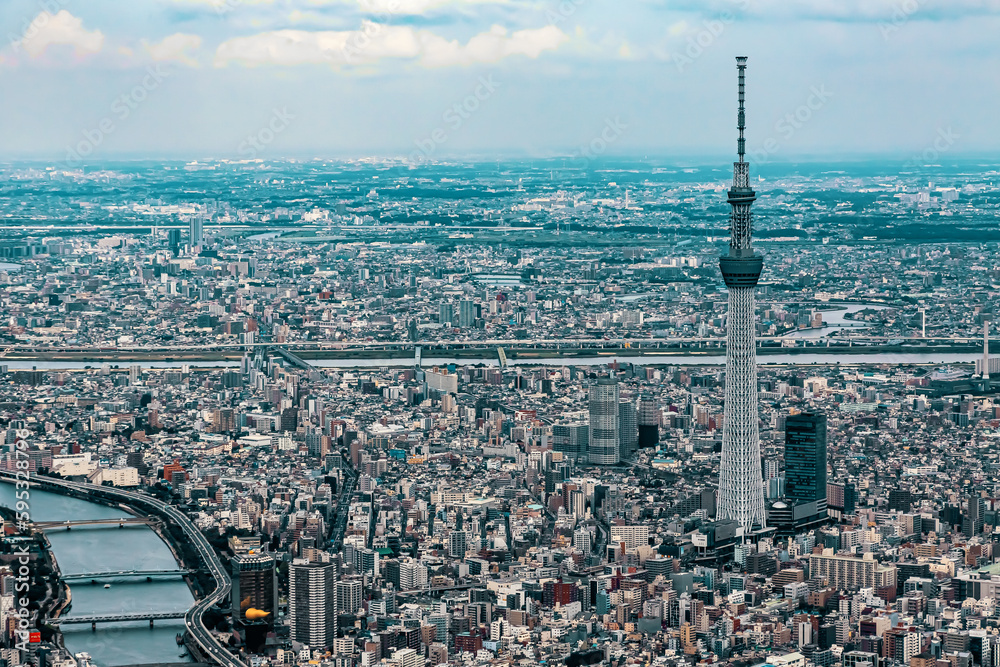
(741, 485)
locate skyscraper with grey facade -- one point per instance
(604, 428)
(312, 603)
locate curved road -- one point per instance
(216, 652)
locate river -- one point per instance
(109, 549)
(834, 321)
(653, 359)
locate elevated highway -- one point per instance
(208, 645)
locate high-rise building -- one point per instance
(255, 588)
(649, 423)
(741, 486)
(571, 439)
(457, 544)
(628, 427)
(631, 536)
(174, 238)
(466, 313)
(604, 432)
(446, 313)
(312, 603)
(348, 596)
(805, 458)
(986, 356)
(412, 575)
(196, 231)
(974, 517)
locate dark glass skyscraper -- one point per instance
(805, 458)
(649, 423)
(255, 588)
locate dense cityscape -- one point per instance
(502, 445)
(399, 412)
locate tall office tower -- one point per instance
(649, 423)
(446, 313)
(312, 603)
(986, 356)
(174, 239)
(196, 231)
(741, 488)
(974, 517)
(466, 313)
(255, 588)
(628, 427)
(805, 490)
(604, 449)
(805, 458)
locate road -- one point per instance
(343, 508)
(215, 651)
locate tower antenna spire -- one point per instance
(741, 65)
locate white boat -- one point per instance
(107, 585)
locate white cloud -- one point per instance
(842, 10)
(408, 7)
(61, 28)
(375, 41)
(176, 47)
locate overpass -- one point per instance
(293, 359)
(122, 617)
(124, 574)
(121, 523)
(208, 645)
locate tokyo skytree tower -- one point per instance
(741, 485)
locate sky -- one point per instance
(84, 80)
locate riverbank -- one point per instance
(43, 571)
(96, 549)
(63, 599)
(211, 574)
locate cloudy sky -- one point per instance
(440, 78)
